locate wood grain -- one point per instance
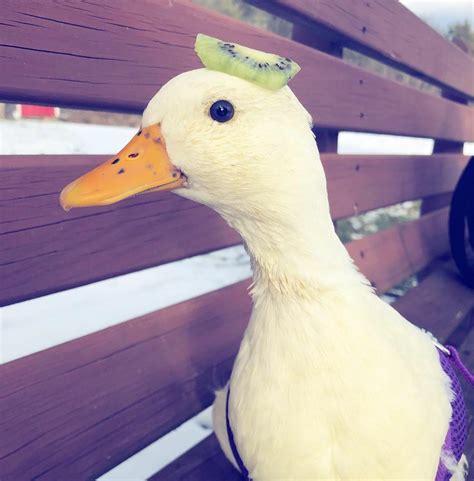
(444, 147)
(205, 462)
(359, 183)
(391, 255)
(46, 250)
(114, 55)
(440, 303)
(387, 31)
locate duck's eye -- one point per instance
(221, 111)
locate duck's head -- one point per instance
(218, 139)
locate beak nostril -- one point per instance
(132, 156)
(116, 161)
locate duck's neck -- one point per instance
(302, 278)
(299, 255)
(302, 275)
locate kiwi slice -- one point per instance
(264, 69)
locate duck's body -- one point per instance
(330, 383)
(321, 391)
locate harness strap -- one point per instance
(233, 446)
(456, 436)
(456, 359)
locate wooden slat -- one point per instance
(205, 462)
(359, 183)
(46, 250)
(76, 410)
(444, 147)
(441, 304)
(114, 55)
(391, 255)
(385, 30)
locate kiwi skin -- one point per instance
(265, 69)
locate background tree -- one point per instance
(462, 35)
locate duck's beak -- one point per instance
(142, 166)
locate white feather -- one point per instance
(330, 382)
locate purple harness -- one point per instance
(457, 432)
(456, 437)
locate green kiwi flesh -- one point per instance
(261, 68)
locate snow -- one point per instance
(37, 324)
(359, 143)
(54, 137)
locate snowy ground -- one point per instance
(34, 325)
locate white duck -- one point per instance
(330, 382)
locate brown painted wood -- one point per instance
(114, 55)
(435, 202)
(391, 255)
(46, 250)
(205, 462)
(359, 183)
(440, 303)
(75, 411)
(442, 147)
(385, 30)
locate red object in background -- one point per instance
(37, 111)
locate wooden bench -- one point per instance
(76, 410)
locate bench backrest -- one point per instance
(80, 408)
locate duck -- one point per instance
(330, 382)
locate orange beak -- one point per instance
(142, 166)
